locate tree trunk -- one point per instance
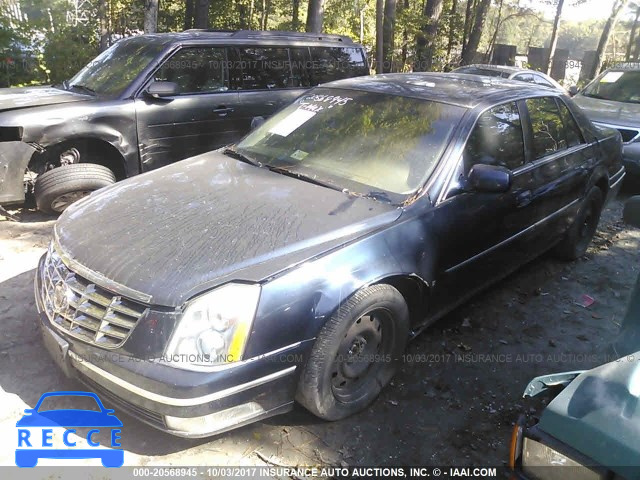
(494, 37)
(188, 14)
(405, 36)
(150, 16)
(295, 16)
(379, 36)
(476, 32)
(103, 15)
(468, 21)
(388, 34)
(554, 36)
(426, 37)
(632, 35)
(617, 9)
(315, 14)
(263, 16)
(452, 26)
(201, 15)
(252, 8)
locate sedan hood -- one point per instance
(183, 229)
(24, 97)
(598, 414)
(606, 111)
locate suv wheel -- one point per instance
(56, 189)
(577, 239)
(355, 354)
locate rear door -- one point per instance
(201, 117)
(559, 166)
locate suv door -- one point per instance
(201, 117)
(264, 80)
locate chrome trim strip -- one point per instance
(539, 162)
(507, 240)
(178, 402)
(96, 277)
(622, 174)
(621, 127)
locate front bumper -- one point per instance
(180, 402)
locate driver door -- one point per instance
(201, 117)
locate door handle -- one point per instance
(524, 198)
(222, 110)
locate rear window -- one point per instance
(335, 63)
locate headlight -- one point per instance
(214, 327)
(544, 463)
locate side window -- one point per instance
(334, 63)
(572, 131)
(524, 77)
(264, 68)
(195, 70)
(542, 81)
(496, 139)
(548, 131)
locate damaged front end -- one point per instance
(15, 156)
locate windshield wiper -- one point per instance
(230, 152)
(84, 88)
(303, 177)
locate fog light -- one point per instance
(215, 422)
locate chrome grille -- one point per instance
(85, 310)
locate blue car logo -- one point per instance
(35, 433)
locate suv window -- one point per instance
(548, 129)
(496, 139)
(572, 131)
(195, 70)
(300, 67)
(334, 63)
(264, 68)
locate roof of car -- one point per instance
(239, 35)
(460, 89)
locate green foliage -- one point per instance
(67, 50)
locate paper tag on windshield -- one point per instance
(611, 77)
(292, 121)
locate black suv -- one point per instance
(151, 100)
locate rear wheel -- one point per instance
(355, 354)
(58, 188)
(577, 239)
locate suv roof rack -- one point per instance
(257, 34)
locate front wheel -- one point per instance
(577, 239)
(356, 353)
(56, 189)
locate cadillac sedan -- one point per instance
(296, 264)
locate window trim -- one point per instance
(561, 103)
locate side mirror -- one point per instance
(573, 90)
(162, 89)
(631, 212)
(489, 179)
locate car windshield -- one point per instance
(616, 85)
(115, 68)
(365, 142)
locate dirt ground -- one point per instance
(453, 402)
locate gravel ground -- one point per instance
(453, 402)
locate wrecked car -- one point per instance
(296, 264)
(590, 428)
(151, 100)
(613, 100)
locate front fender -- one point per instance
(14, 159)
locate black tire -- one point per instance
(580, 233)
(56, 189)
(337, 380)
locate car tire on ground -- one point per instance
(56, 189)
(577, 239)
(355, 354)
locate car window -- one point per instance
(264, 68)
(615, 85)
(479, 71)
(524, 77)
(572, 131)
(334, 63)
(195, 70)
(548, 135)
(496, 139)
(540, 80)
(300, 67)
